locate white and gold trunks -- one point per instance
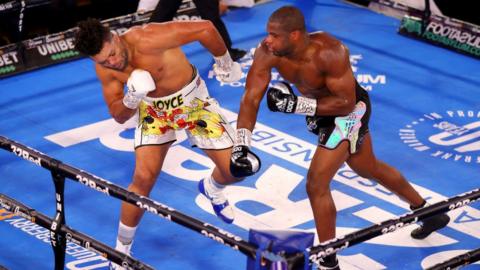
(190, 109)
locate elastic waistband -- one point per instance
(184, 92)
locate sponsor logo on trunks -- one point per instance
(452, 135)
(168, 104)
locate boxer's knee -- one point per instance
(143, 182)
(318, 185)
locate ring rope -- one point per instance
(110, 189)
(315, 252)
(334, 245)
(72, 235)
(460, 260)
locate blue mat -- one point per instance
(425, 122)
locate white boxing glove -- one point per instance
(226, 70)
(146, 5)
(139, 84)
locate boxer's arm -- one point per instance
(258, 78)
(162, 36)
(113, 95)
(243, 162)
(157, 37)
(340, 82)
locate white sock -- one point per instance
(212, 185)
(125, 234)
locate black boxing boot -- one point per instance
(429, 225)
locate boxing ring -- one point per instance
(60, 233)
(425, 120)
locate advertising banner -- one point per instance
(442, 31)
(59, 47)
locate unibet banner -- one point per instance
(445, 32)
(10, 60)
(59, 47)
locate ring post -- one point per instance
(57, 237)
(276, 249)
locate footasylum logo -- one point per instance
(452, 135)
(444, 32)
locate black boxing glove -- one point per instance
(243, 162)
(280, 98)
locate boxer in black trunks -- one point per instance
(337, 109)
(328, 130)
